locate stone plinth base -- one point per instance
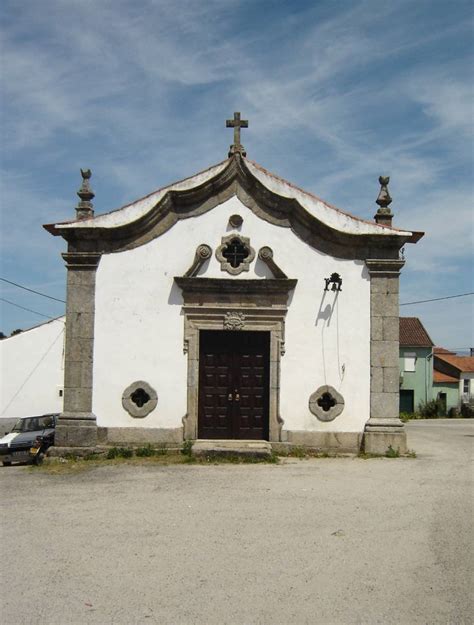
(334, 442)
(378, 441)
(72, 431)
(77, 452)
(120, 437)
(215, 448)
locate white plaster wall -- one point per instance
(139, 323)
(32, 371)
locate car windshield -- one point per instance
(32, 424)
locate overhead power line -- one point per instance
(25, 288)
(28, 309)
(436, 299)
(20, 286)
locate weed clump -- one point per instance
(392, 453)
(187, 448)
(119, 452)
(145, 452)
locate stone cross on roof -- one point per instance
(237, 124)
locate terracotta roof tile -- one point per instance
(413, 334)
(440, 377)
(442, 350)
(461, 363)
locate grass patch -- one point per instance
(187, 448)
(298, 452)
(145, 452)
(65, 466)
(392, 453)
(236, 459)
(304, 453)
(119, 452)
(142, 456)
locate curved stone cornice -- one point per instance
(236, 179)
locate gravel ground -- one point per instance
(323, 541)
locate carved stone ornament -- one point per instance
(139, 399)
(203, 253)
(384, 199)
(265, 254)
(234, 321)
(85, 208)
(326, 403)
(235, 221)
(235, 254)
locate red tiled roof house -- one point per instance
(416, 364)
(453, 378)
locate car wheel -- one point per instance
(39, 458)
(7, 463)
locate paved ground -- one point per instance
(329, 541)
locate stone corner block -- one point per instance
(384, 354)
(391, 380)
(391, 328)
(384, 305)
(76, 432)
(380, 442)
(376, 328)
(376, 379)
(384, 405)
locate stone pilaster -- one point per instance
(384, 427)
(77, 425)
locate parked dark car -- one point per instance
(29, 439)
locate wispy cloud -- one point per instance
(336, 94)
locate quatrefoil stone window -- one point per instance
(235, 254)
(326, 403)
(139, 399)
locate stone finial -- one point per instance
(237, 124)
(85, 208)
(384, 215)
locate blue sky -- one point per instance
(336, 93)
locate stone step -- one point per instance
(242, 448)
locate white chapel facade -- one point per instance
(232, 306)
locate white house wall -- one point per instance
(139, 323)
(32, 371)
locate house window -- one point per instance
(410, 361)
(465, 387)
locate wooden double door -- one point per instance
(233, 384)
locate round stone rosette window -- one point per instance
(235, 254)
(326, 403)
(139, 399)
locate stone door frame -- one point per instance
(232, 304)
(253, 320)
